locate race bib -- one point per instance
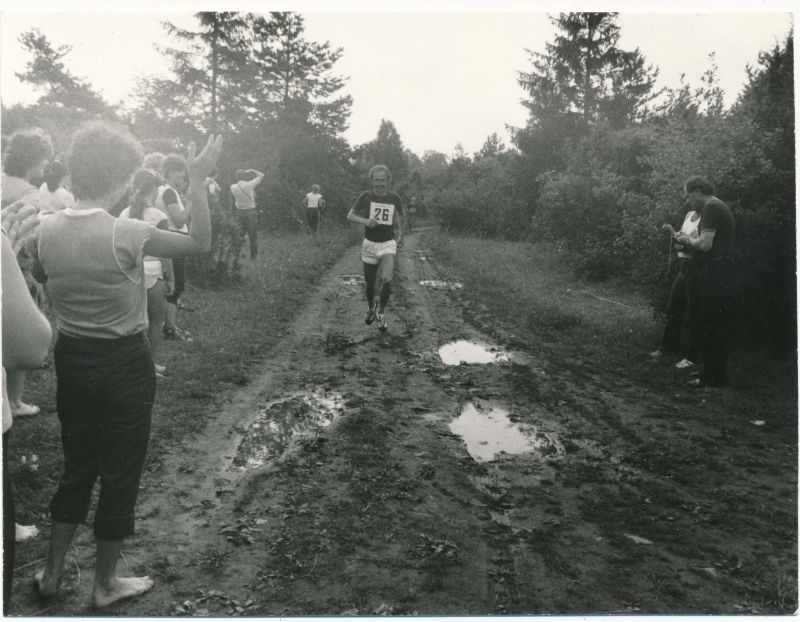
(382, 213)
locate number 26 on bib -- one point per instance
(382, 213)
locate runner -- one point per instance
(380, 211)
(411, 213)
(314, 204)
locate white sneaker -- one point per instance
(160, 369)
(23, 533)
(381, 317)
(684, 364)
(656, 354)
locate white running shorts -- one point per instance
(371, 252)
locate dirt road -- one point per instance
(345, 479)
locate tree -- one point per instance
(46, 71)
(66, 101)
(295, 73)
(584, 74)
(212, 84)
(236, 72)
(492, 146)
(387, 148)
(768, 100)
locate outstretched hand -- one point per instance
(20, 221)
(200, 166)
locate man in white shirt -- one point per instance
(244, 194)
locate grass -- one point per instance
(531, 291)
(709, 470)
(606, 326)
(233, 326)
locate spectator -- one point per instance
(244, 195)
(713, 250)
(26, 338)
(169, 201)
(104, 370)
(53, 194)
(159, 278)
(682, 306)
(155, 162)
(27, 155)
(213, 189)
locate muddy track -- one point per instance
(384, 510)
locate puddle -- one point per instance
(488, 432)
(471, 352)
(441, 285)
(269, 436)
(353, 280)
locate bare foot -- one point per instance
(124, 587)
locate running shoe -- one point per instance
(656, 354)
(23, 533)
(684, 364)
(381, 317)
(160, 369)
(370, 316)
(173, 334)
(177, 334)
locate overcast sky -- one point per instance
(441, 78)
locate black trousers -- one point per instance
(681, 332)
(105, 389)
(9, 528)
(312, 215)
(714, 286)
(179, 269)
(248, 224)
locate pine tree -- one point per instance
(492, 146)
(212, 83)
(295, 74)
(584, 75)
(387, 148)
(46, 71)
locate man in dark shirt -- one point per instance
(380, 211)
(713, 249)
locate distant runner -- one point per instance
(314, 204)
(380, 211)
(411, 213)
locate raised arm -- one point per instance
(257, 179)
